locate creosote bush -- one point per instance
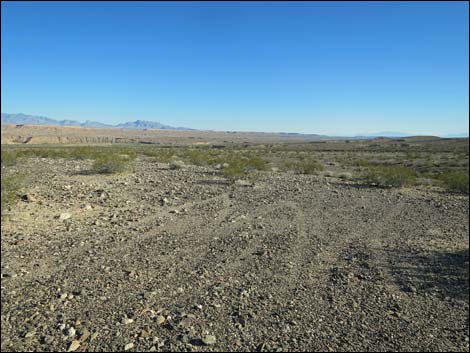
(111, 163)
(304, 166)
(242, 164)
(10, 186)
(456, 181)
(394, 176)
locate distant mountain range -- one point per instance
(385, 134)
(403, 134)
(24, 119)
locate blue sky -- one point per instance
(312, 67)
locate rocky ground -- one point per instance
(164, 260)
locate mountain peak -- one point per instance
(24, 119)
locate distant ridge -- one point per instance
(24, 119)
(143, 124)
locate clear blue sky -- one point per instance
(334, 68)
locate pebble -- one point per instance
(48, 339)
(209, 340)
(74, 346)
(128, 346)
(64, 216)
(28, 198)
(84, 335)
(127, 321)
(160, 320)
(70, 332)
(30, 334)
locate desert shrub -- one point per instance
(455, 181)
(307, 167)
(302, 166)
(111, 163)
(9, 188)
(239, 165)
(345, 176)
(177, 164)
(162, 155)
(9, 158)
(395, 176)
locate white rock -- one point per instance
(64, 216)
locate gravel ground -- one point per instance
(165, 260)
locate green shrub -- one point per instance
(177, 164)
(110, 164)
(10, 186)
(308, 167)
(9, 158)
(455, 181)
(303, 166)
(395, 176)
(239, 165)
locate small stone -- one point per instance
(84, 335)
(74, 346)
(70, 332)
(9, 275)
(186, 323)
(30, 334)
(63, 296)
(184, 338)
(128, 346)
(127, 321)
(160, 320)
(48, 339)
(28, 198)
(64, 216)
(209, 340)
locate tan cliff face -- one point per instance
(41, 134)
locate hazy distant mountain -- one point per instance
(143, 124)
(391, 134)
(23, 119)
(95, 124)
(385, 134)
(465, 134)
